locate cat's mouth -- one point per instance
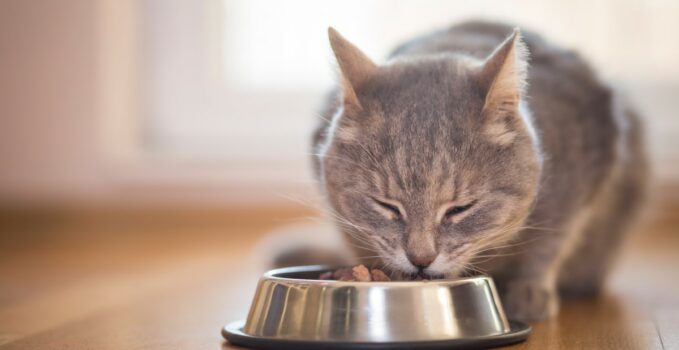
(421, 276)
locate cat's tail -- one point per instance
(297, 245)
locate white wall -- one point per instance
(48, 135)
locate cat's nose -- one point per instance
(421, 260)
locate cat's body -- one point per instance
(571, 175)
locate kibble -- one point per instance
(379, 276)
(358, 273)
(361, 273)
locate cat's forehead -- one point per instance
(426, 85)
(428, 110)
(426, 106)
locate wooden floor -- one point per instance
(172, 280)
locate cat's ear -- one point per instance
(356, 68)
(503, 78)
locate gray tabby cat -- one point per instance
(456, 156)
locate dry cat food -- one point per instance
(358, 273)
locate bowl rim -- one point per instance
(233, 332)
(274, 275)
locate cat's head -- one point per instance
(430, 161)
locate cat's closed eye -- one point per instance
(457, 210)
(389, 209)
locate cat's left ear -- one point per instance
(503, 78)
(356, 67)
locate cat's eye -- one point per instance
(456, 210)
(393, 211)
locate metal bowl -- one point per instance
(292, 309)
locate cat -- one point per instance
(481, 149)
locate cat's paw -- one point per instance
(530, 301)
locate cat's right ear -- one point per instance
(503, 77)
(356, 68)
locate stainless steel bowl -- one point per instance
(293, 309)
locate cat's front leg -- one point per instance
(529, 299)
(527, 280)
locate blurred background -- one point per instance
(173, 134)
(212, 101)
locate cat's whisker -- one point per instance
(368, 256)
(486, 247)
(497, 240)
(467, 266)
(483, 247)
(341, 159)
(303, 202)
(476, 256)
(355, 231)
(538, 229)
(343, 220)
(365, 245)
(367, 248)
(321, 117)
